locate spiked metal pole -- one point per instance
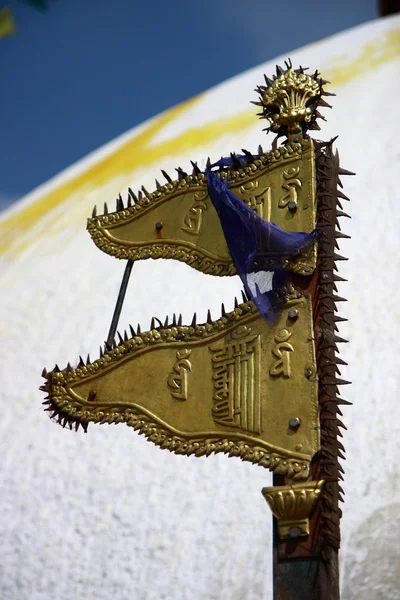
(120, 301)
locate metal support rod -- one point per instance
(120, 301)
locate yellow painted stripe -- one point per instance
(139, 152)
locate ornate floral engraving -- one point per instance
(291, 183)
(281, 351)
(178, 378)
(236, 378)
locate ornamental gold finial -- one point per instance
(290, 100)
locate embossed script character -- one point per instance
(281, 351)
(291, 185)
(178, 378)
(193, 219)
(258, 199)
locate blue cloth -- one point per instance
(258, 247)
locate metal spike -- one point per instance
(288, 63)
(208, 163)
(236, 303)
(340, 213)
(140, 196)
(133, 334)
(105, 208)
(342, 382)
(152, 323)
(249, 156)
(146, 193)
(223, 312)
(209, 318)
(339, 319)
(340, 194)
(129, 202)
(340, 340)
(159, 322)
(46, 402)
(101, 352)
(167, 177)
(81, 363)
(244, 296)
(174, 320)
(345, 172)
(338, 257)
(85, 426)
(279, 70)
(88, 360)
(114, 344)
(339, 234)
(180, 320)
(338, 278)
(44, 373)
(319, 116)
(325, 93)
(69, 367)
(166, 321)
(158, 185)
(323, 102)
(77, 425)
(181, 173)
(94, 212)
(268, 81)
(120, 203)
(138, 329)
(339, 361)
(108, 347)
(121, 340)
(132, 195)
(338, 298)
(196, 169)
(125, 336)
(236, 162)
(260, 150)
(193, 323)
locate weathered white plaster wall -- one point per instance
(107, 515)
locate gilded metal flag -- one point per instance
(236, 385)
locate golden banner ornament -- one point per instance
(232, 385)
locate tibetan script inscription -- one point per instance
(236, 381)
(291, 184)
(178, 378)
(258, 199)
(192, 220)
(281, 351)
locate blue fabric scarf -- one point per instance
(258, 247)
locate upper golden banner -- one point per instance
(179, 221)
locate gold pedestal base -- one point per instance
(292, 506)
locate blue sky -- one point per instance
(87, 70)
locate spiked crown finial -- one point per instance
(290, 100)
